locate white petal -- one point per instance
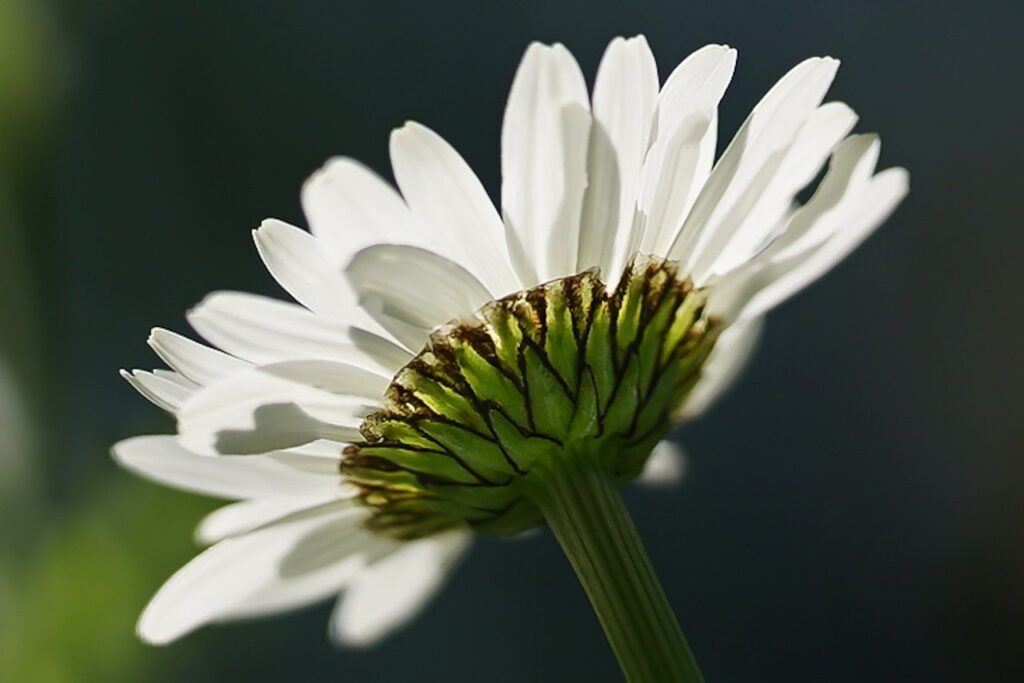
(447, 197)
(625, 93)
(296, 260)
(749, 163)
(544, 163)
(262, 330)
(311, 455)
(666, 466)
(349, 207)
(165, 390)
(320, 564)
(416, 287)
(853, 162)
(162, 459)
(681, 156)
(849, 174)
(316, 457)
(392, 590)
(863, 216)
(246, 515)
(767, 205)
(733, 350)
(224, 576)
(197, 362)
(279, 405)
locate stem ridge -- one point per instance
(587, 515)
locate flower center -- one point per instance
(563, 370)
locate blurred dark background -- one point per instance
(852, 510)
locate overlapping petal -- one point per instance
(683, 151)
(263, 330)
(192, 360)
(410, 291)
(544, 163)
(624, 100)
(279, 405)
(247, 515)
(746, 169)
(349, 208)
(163, 388)
(164, 460)
(392, 590)
(849, 205)
(446, 195)
(265, 412)
(220, 581)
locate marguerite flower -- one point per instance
(451, 370)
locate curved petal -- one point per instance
(666, 466)
(417, 288)
(296, 260)
(279, 405)
(733, 350)
(320, 564)
(164, 389)
(193, 360)
(312, 455)
(246, 515)
(683, 152)
(263, 330)
(850, 172)
(544, 163)
(446, 195)
(392, 590)
(163, 460)
(847, 206)
(625, 93)
(772, 195)
(749, 163)
(781, 280)
(218, 581)
(349, 207)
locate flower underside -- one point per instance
(564, 370)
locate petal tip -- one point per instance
(830, 62)
(151, 634)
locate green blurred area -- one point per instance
(30, 54)
(74, 595)
(75, 576)
(29, 58)
(27, 100)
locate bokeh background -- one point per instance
(852, 510)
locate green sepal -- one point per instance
(619, 417)
(438, 463)
(486, 455)
(551, 406)
(490, 383)
(599, 354)
(506, 336)
(439, 398)
(627, 323)
(560, 344)
(563, 371)
(586, 420)
(525, 449)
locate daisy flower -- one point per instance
(449, 369)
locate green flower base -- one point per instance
(563, 370)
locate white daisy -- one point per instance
(446, 349)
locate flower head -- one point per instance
(565, 369)
(440, 352)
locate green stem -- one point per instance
(588, 517)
